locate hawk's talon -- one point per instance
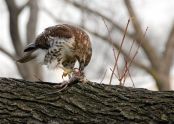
(65, 84)
(64, 75)
(67, 72)
(62, 86)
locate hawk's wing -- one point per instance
(43, 40)
(61, 31)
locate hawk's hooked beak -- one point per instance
(82, 66)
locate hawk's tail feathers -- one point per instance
(27, 57)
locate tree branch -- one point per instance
(147, 47)
(11, 56)
(31, 34)
(32, 21)
(96, 13)
(39, 102)
(23, 6)
(167, 57)
(14, 30)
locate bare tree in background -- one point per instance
(160, 65)
(27, 71)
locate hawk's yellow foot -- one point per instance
(67, 72)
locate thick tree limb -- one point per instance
(14, 28)
(31, 35)
(32, 21)
(38, 102)
(168, 53)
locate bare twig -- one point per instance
(125, 77)
(136, 52)
(126, 67)
(116, 62)
(131, 79)
(126, 62)
(104, 75)
(114, 73)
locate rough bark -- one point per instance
(38, 102)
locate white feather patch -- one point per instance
(53, 64)
(40, 55)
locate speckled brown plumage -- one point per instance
(60, 46)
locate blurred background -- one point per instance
(22, 20)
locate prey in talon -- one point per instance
(60, 46)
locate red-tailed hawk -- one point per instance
(60, 46)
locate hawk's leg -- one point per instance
(78, 72)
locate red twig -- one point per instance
(124, 78)
(119, 51)
(128, 72)
(126, 61)
(114, 74)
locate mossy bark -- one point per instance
(39, 102)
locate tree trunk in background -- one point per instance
(163, 81)
(39, 102)
(31, 35)
(27, 70)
